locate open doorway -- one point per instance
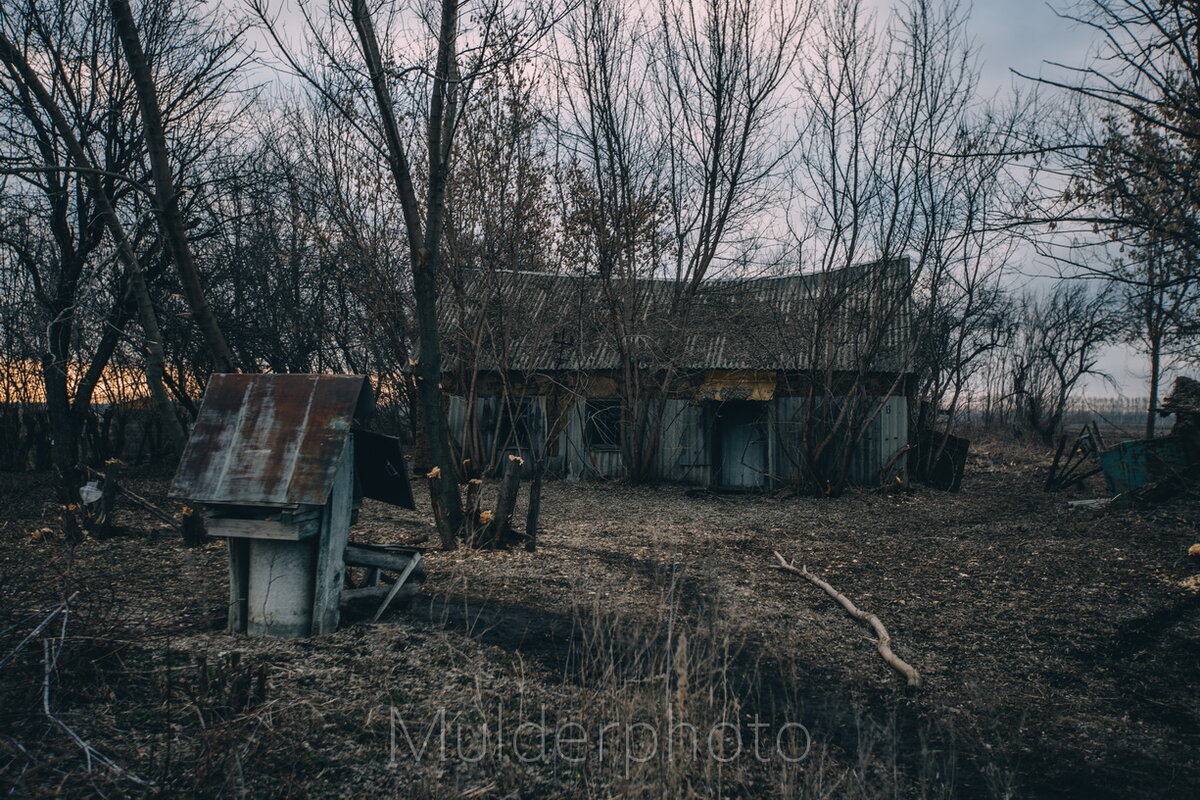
(740, 439)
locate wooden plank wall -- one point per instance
(684, 455)
(335, 532)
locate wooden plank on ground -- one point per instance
(391, 595)
(393, 560)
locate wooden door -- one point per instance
(742, 441)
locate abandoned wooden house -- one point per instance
(739, 385)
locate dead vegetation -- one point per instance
(1056, 645)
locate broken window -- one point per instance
(603, 423)
(518, 426)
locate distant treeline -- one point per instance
(129, 432)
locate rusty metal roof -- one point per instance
(269, 440)
(533, 321)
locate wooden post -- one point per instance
(506, 501)
(239, 583)
(335, 532)
(535, 507)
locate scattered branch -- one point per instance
(883, 642)
(41, 626)
(49, 661)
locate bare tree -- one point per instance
(69, 139)
(674, 122)
(1147, 176)
(166, 196)
(1131, 176)
(899, 165)
(1058, 345)
(502, 216)
(442, 73)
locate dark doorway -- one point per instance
(740, 436)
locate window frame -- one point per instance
(594, 431)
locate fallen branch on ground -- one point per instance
(138, 500)
(146, 504)
(882, 644)
(41, 626)
(50, 655)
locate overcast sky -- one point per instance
(1021, 35)
(1024, 35)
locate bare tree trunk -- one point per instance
(166, 198)
(64, 444)
(154, 350)
(114, 332)
(1155, 370)
(424, 244)
(506, 503)
(533, 514)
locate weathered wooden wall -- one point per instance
(689, 450)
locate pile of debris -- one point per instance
(1137, 471)
(1184, 403)
(1072, 467)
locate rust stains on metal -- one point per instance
(269, 440)
(737, 384)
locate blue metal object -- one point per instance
(1141, 462)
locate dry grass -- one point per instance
(1058, 649)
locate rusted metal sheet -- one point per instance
(738, 384)
(269, 440)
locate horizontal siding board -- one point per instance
(882, 438)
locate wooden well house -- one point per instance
(278, 469)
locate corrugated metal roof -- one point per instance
(269, 440)
(532, 321)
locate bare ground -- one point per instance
(1058, 648)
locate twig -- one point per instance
(18, 623)
(41, 626)
(16, 782)
(882, 643)
(90, 753)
